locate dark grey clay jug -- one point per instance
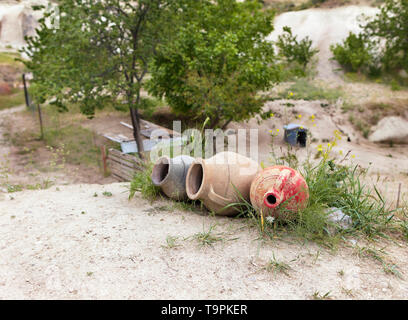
(170, 175)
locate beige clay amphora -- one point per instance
(216, 181)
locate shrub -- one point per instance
(355, 54)
(142, 183)
(382, 46)
(297, 53)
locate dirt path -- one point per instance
(67, 243)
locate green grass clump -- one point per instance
(16, 98)
(306, 90)
(143, 183)
(276, 266)
(330, 185)
(207, 238)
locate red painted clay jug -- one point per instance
(279, 191)
(221, 180)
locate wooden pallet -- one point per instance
(123, 166)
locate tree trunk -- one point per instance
(134, 115)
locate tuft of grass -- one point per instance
(318, 296)
(142, 183)
(106, 194)
(307, 90)
(207, 238)
(171, 242)
(276, 266)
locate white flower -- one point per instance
(270, 219)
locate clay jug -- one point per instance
(170, 175)
(216, 181)
(279, 191)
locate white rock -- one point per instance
(337, 216)
(390, 129)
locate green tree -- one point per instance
(295, 51)
(99, 52)
(390, 27)
(217, 62)
(355, 53)
(381, 46)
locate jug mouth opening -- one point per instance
(271, 200)
(160, 171)
(195, 178)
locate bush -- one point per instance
(297, 54)
(382, 46)
(355, 54)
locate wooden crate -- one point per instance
(123, 166)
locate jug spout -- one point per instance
(272, 199)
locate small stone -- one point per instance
(338, 217)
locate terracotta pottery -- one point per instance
(170, 175)
(216, 181)
(279, 191)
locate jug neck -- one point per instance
(197, 180)
(272, 199)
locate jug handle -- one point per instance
(217, 198)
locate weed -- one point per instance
(142, 183)
(171, 242)
(106, 194)
(348, 292)
(391, 268)
(318, 296)
(207, 238)
(277, 266)
(14, 188)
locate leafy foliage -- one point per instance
(295, 53)
(381, 46)
(98, 53)
(355, 54)
(217, 62)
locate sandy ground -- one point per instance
(66, 243)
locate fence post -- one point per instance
(27, 99)
(103, 152)
(41, 122)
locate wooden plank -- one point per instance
(124, 175)
(118, 166)
(118, 177)
(125, 156)
(126, 160)
(121, 160)
(125, 163)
